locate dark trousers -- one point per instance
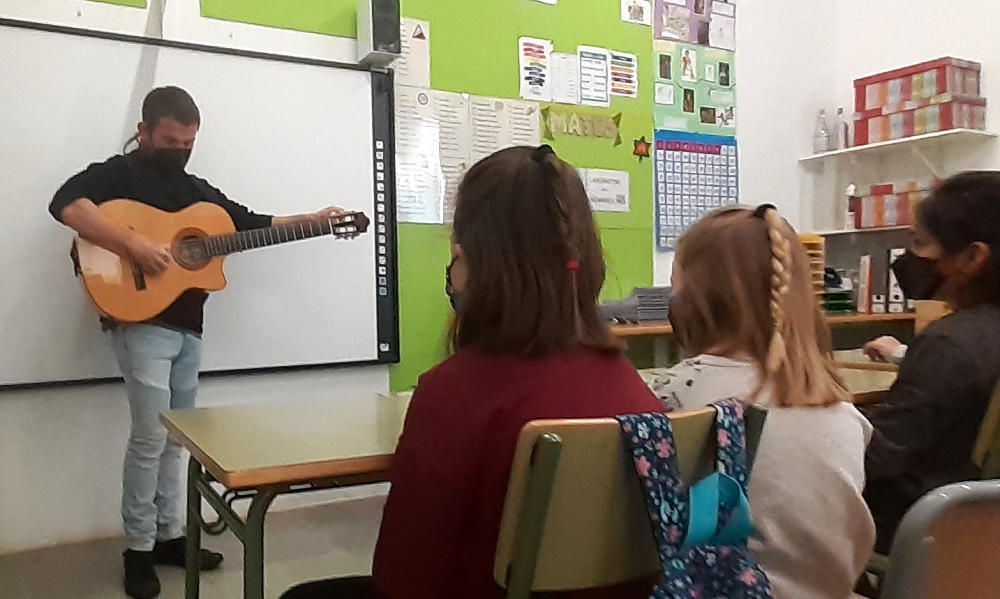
(888, 499)
(333, 588)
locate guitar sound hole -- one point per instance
(190, 252)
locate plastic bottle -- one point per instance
(821, 136)
(841, 137)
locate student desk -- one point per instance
(260, 452)
(866, 386)
(850, 330)
(663, 328)
(856, 359)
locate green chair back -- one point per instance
(575, 517)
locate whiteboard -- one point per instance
(280, 136)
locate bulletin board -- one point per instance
(694, 88)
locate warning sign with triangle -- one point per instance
(418, 33)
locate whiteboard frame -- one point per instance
(383, 138)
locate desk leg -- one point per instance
(253, 545)
(192, 566)
(665, 352)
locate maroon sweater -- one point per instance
(449, 476)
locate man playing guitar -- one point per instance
(160, 358)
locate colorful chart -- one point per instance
(695, 174)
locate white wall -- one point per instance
(61, 448)
(784, 55)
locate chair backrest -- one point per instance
(986, 453)
(948, 545)
(575, 517)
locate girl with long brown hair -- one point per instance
(744, 313)
(528, 343)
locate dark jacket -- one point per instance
(925, 432)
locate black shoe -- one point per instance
(172, 552)
(140, 576)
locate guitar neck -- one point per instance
(346, 225)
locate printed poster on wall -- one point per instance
(534, 71)
(419, 183)
(695, 174)
(565, 78)
(639, 12)
(700, 22)
(607, 190)
(694, 88)
(595, 76)
(624, 74)
(413, 67)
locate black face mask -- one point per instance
(454, 297)
(918, 277)
(169, 161)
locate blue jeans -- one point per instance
(160, 367)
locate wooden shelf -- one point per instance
(661, 328)
(849, 319)
(892, 145)
(832, 232)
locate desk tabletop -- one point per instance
(662, 327)
(856, 359)
(258, 445)
(867, 386)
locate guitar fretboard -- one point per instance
(342, 226)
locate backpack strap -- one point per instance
(719, 509)
(730, 433)
(649, 441)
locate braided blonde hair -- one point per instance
(746, 291)
(781, 267)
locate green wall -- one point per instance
(474, 50)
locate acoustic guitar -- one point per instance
(199, 238)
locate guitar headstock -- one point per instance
(349, 224)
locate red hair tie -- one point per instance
(573, 265)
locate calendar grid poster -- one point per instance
(695, 174)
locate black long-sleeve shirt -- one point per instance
(130, 176)
(925, 432)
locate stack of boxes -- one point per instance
(890, 204)
(932, 96)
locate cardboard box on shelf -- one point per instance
(918, 82)
(930, 118)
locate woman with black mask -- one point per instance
(919, 279)
(925, 431)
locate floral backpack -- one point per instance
(701, 532)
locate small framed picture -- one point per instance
(666, 66)
(724, 74)
(689, 101)
(689, 66)
(708, 115)
(710, 73)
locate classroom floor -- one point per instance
(329, 540)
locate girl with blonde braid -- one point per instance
(744, 312)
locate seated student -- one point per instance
(525, 274)
(743, 308)
(925, 432)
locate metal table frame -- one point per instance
(250, 532)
